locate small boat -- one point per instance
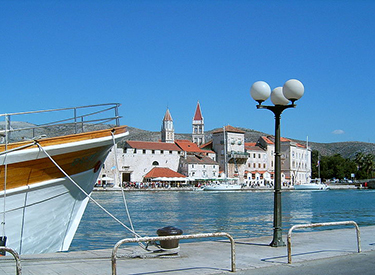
(315, 184)
(223, 186)
(44, 182)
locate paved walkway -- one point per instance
(315, 252)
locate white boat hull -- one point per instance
(43, 216)
(222, 187)
(311, 186)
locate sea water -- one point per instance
(241, 214)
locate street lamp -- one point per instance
(281, 98)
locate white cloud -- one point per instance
(338, 132)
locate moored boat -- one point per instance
(223, 186)
(313, 185)
(44, 184)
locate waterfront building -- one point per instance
(226, 155)
(198, 126)
(295, 162)
(138, 161)
(259, 171)
(196, 163)
(137, 158)
(229, 144)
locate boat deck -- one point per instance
(253, 256)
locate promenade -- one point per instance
(314, 252)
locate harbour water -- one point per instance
(242, 214)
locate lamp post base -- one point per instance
(277, 238)
(277, 243)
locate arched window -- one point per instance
(155, 163)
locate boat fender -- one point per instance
(3, 241)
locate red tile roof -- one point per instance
(284, 139)
(190, 147)
(157, 172)
(167, 116)
(194, 159)
(250, 143)
(253, 147)
(229, 128)
(207, 145)
(267, 140)
(153, 145)
(198, 113)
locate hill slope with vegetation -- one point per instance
(345, 149)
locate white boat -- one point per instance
(43, 183)
(313, 185)
(224, 186)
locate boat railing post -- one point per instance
(7, 129)
(117, 115)
(75, 121)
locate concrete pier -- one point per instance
(314, 252)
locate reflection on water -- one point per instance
(242, 214)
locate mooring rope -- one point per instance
(87, 195)
(116, 178)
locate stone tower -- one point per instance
(198, 126)
(167, 129)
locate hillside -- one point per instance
(345, 149)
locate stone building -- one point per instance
(138, 161)
(226, 155)
(295, 162)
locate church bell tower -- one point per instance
(167, 129)
(198, 126)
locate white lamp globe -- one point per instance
(278, 98)
(293, 89)
(260, 91)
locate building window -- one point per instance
(144, 151)
(155, 163)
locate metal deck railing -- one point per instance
(21, 126)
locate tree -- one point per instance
(332, 166)
(365, 165)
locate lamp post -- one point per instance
(282, 98)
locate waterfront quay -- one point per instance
(314, 252)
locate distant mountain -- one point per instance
(345, 149)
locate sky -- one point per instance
(154, 55)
